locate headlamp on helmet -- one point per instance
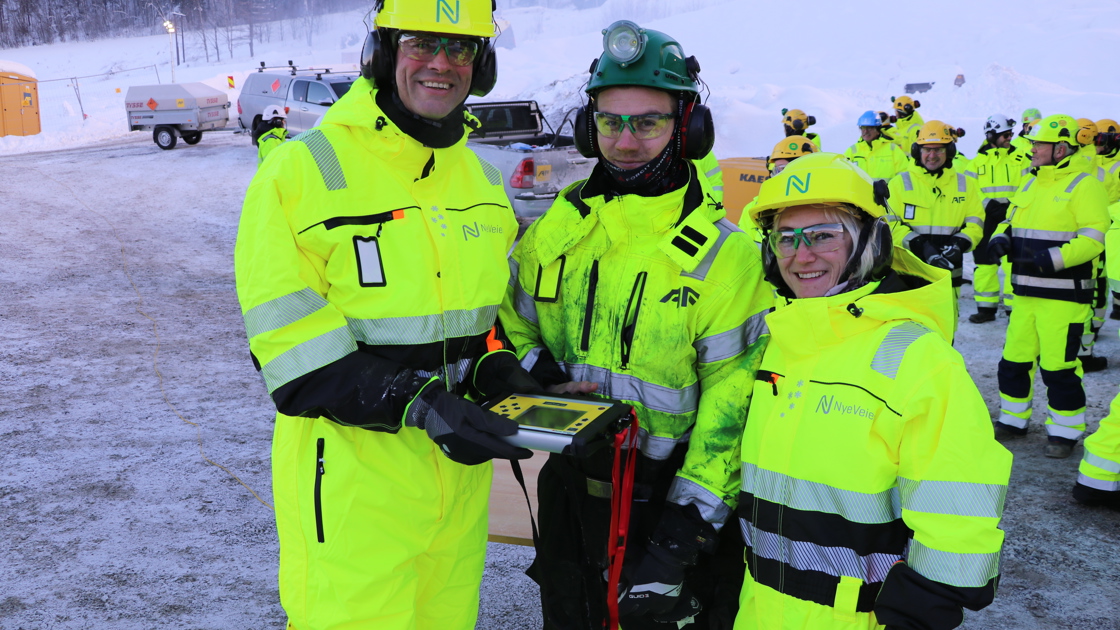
(624, 41)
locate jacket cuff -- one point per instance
(910, 601)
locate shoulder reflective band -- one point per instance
(371, 273)
(548, 281)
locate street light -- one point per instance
(167, 24)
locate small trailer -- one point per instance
(176, 110)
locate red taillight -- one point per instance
(239, 112)
(523, 175)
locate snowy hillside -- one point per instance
(833, 60)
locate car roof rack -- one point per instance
(318, 72)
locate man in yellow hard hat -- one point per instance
(908, 122)
(796, 123)
(370, 264)
(938, 215)
(1054, 233)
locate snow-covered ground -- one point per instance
(120, 327)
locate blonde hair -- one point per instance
(855, 221)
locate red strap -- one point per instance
(622, 492)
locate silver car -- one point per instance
(304, 94)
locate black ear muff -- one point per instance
(485, 73)
(797, 124)
(917, 104)
(878, 236)
(583, 133)
(378, 62)
(950, 154)
(699, 132)
(812, 120)
(916, 153)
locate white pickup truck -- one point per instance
(535, 165)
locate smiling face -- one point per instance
(808, 273)
(432, 89)
(626, 151)
(867, 134)
(933, 156)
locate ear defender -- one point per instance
(699, 132)
(583, 132)
(378, 60)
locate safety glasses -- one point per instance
(460, 52)
(820, 239)
(643, 126)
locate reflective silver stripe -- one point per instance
(626, 387)
(1058, 430)
(888, 357)
(958, 498)
(997, 189)
(717, 188)
(1043, 235)
(453, 373)
(1101, 175)
(1076, 181)
(1012, 421)
(974, 220)
(807, 556)
(726, 228)
(963, 570)
(1096, 235)
(524, 304)
(962, 182)
(1030, 182)
(408, 331)
(1086, 284)
(514, 269)
(1015, 406)
(1056, 259)
(658, 447)
(857, 507)
(530, 360)
(907, 183)
(325, 158)
(987, 293)
(1106, 465)
(687, 492)
(891, 217)
(493, 174)
(939, 230)
(1115, 165)
(732, 342)
(1107, 486)
(1072, 420)
(280, 312)
(972, 174)
(308, 356)
(710, 174)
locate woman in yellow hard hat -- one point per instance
(856, 506)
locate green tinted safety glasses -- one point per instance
(643, 126)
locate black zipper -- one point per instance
(592, 282)
(631, 320)
(767, 376)
(319, 472)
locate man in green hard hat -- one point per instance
(634, 286)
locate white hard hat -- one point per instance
(273, 111)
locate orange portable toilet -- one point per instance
(19, 100)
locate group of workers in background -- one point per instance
(811, 450)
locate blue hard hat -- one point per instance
(869, 119)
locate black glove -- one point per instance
(999, 246)
(657, 585)
(954, 251)
(500, 372)
(465, 432)
(1044, 262)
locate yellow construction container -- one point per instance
(19, 100)
(742, 177)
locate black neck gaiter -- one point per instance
(435, 134)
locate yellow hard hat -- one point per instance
(817, 178)
(792, 147)
(1086, 131)
(797, 120)
(474, 18)
(935, 132)
(1107, 125)
(1054, 128)
(905, 105)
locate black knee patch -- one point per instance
(1064, 391)
(1015, 378)
(1073, 340)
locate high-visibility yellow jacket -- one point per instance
(1112, 247)
(881, 158)
(268, 141)
(868, 444)
(709, 167)
(906, 131)
(1063, 210)
(941, 207)
(1022, 143)
(1103, 169)
(999, 172)
(361, 237)
(659, 300)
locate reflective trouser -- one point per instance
(763, 608)
(1100, 466)
(377, 530)
(1046, 333)
(986, 285)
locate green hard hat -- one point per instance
(641, 57)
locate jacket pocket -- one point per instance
(320, 470)
(630, 322)
(589, 308)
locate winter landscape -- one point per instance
(136, 489)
